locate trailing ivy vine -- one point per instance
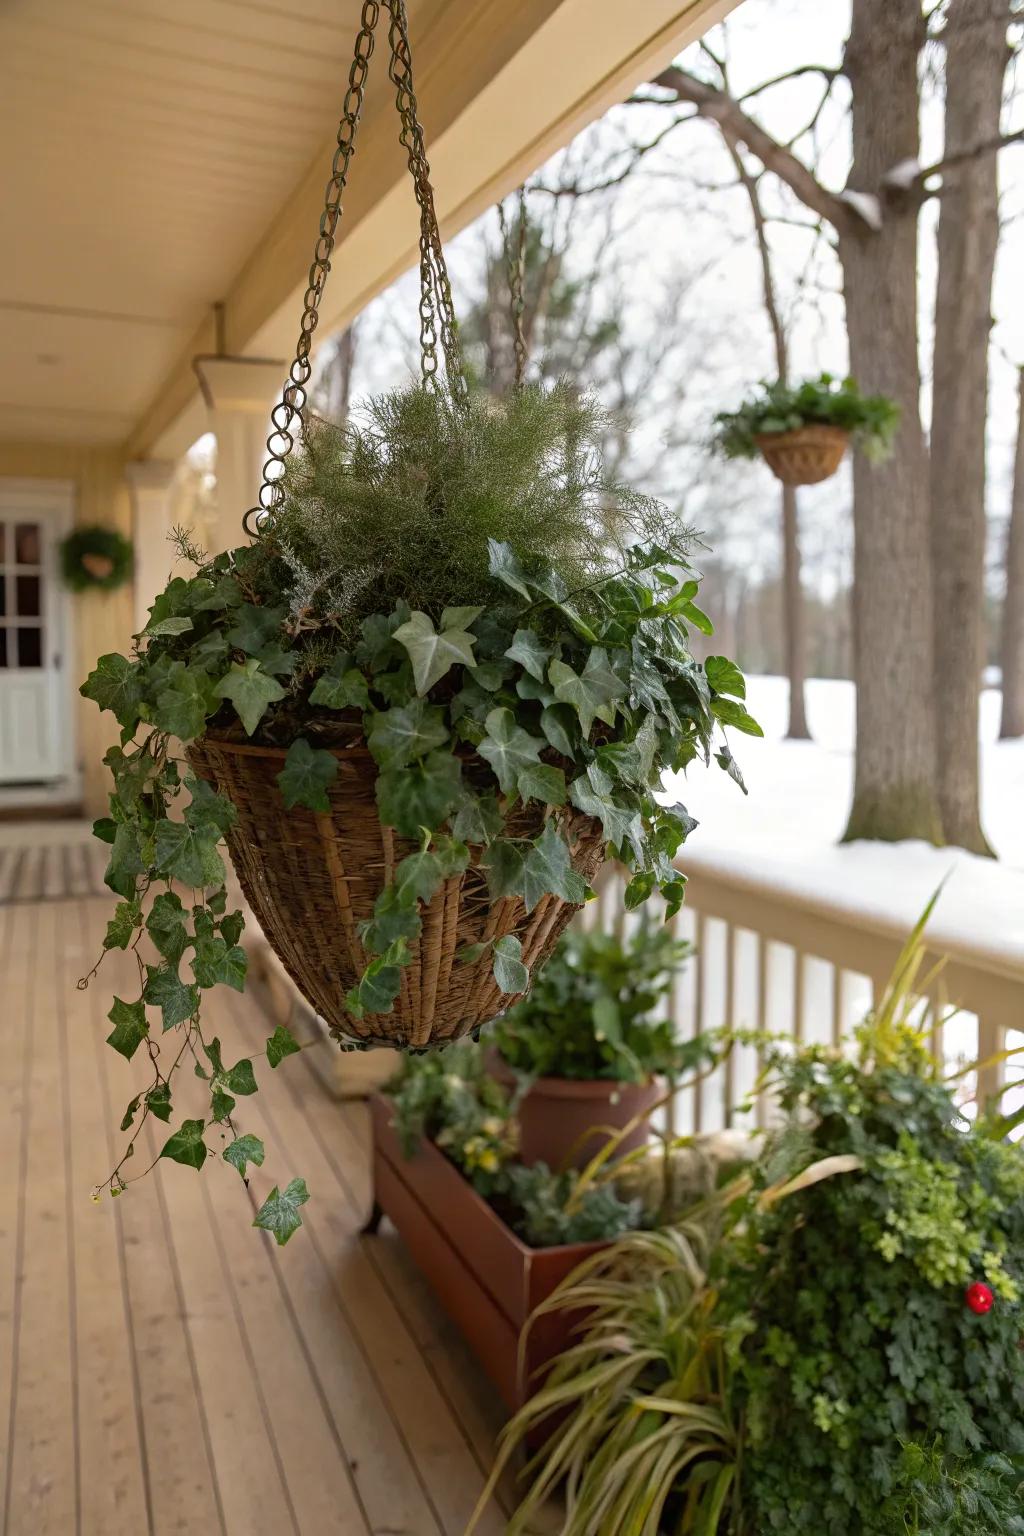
(569, 697)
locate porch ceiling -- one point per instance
(159, 156)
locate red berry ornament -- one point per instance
(980, 1297)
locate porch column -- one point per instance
(152, 490)
(239, 395)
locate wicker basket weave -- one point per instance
(806, 455)
(312, 877)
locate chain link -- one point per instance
(515, 263)
(288, 416)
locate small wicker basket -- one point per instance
(805, 456)
(311, 878)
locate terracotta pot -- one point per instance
(806, 455)
(559, 1119)
(484, 1276)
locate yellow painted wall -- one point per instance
(101, 621)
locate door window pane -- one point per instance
(3, 595)
(30, 647)
(27, 544)
(27, 597)
(3, 542)
(3, 647)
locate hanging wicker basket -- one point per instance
(805, 456)
(312, 877)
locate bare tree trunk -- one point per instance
(339, 384)
(794, 627)
(895, 780)
(976, 57)
(1011, 721)
(794, 619)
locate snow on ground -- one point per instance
(785, 832)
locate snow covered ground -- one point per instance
(786, 831)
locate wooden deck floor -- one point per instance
(163, 1367)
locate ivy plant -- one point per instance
(825, 401)
(543, 682)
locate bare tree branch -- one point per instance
(831, 75)
(719, 107)
(975, 152)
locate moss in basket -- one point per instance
(825, 401)
(463, 590)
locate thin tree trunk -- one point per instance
(794, 626)
(895, 777)
(976, 57)
(341, 372)
(1011, 721)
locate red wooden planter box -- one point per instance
(485, 1277)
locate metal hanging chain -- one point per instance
(436, 305)
(288, 416)
(515, 262)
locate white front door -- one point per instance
(35, 713)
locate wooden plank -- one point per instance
(29, 886)
(344, 1359)
(79, 882)
(10, 860)
(53, 881)
(181, 1473)
(437, 1443)
(15, 1070)
(42, 1493)
(114, 1492)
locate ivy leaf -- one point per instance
(725, 676)
(121, 927)
(478, 819)
(508, 748)
(434, 653)
(115, 684)
(419, 876)
(240, 1078)
(395, 916)
(221, 1103)
(279, 1213)
(420, 795)
(215, 962)
(232, 926)
(282, 1043)
(729, 712)
(158, 1101)
(156, 628)
(490, 675)
(342, 686)
(188, 854)
(276, 660)
(541, 782)
(728, 763)
(251, 691)
(510, 973)
(594, 794)
(182, 707)
(558, 722)
(548, 868)
(505, 567)
(527, 650)
(504, 865)
(128, 1118)
(306, 774)
(176, 999)
(254, 628)
(166, 926)
(406, 732)
(208, 811)
(243, 1151)
(187, 1145)
(130, 1026)
(125, 861)
(591, 693)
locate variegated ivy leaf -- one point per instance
(508, 748)
(432, 652)
(186, 1145)
(243, 1151)
(306, 776)
(510, 973)
(406, 732)
(594, 794)
(548, 868)
(176, 999)
(342, 686)
(478, 819)
(419, 795)
(593, 693)
(250, 690)
(527, 650)
(115, 683)
(541, 782)
(728, 763)
(279, 1212)
(380, 983)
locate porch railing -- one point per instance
(768, 959)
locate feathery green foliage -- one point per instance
(399, 505)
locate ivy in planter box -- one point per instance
(460, 587)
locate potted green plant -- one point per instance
(853, 1301)
(439, 685)
(803, 430)
(493, 1237)
(592, 1045)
